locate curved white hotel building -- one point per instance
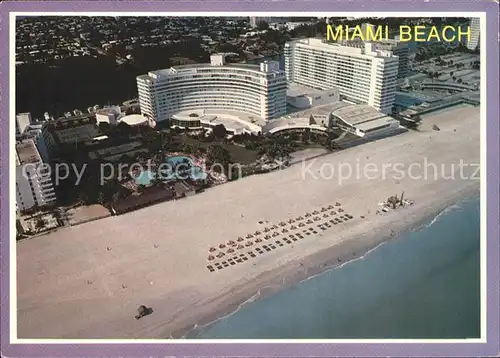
(259, 91)
(363, 75)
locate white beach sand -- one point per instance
(56, 301)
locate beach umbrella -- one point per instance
(231, 250)
(249, 243)
(212, 249)
(221, 246)
(240, 247)
(258, 240)
(210, 257)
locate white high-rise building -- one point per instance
(255, 21)
(44, 142)
(361, 74)
(474, 33)
(33, 182)
(258, 90)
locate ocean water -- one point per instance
(425, 284)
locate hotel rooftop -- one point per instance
(368, 49)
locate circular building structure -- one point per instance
(258, 90)
(135, 120)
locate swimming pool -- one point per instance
(169, 173)
(145, 178)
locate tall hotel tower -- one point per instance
(365, 75)
(259, 90)
(33, 182)
(474, 33)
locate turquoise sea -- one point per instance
(426, 284)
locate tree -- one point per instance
(262, 26)
(123, 128)
(306, 136)
(218, 156)
(39, 223)
(101, 198)
(104, 127)
(220, 131)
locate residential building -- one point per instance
(475, 27)
(33, 182)
(255, 21)
(44, 142)
(361, 74)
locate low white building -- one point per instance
(23, 120)
(362, 120)
(33, 182)
(303, 97)
(359, 119)
(109, 115)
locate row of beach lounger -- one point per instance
(216, 262)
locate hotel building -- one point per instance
(397, 48)
(33, 182)
(361, 74)
(257, 90)
(474, 33)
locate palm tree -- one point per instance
(101, 198)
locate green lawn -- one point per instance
(238, 154)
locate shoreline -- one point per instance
(158, 255)
(321, 262)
